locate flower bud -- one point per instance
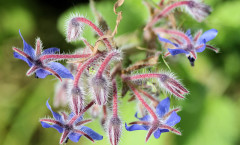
(77, 100)
(74, 29)
(100, 89)
(172, 85)
(198, 10)
(114, 130)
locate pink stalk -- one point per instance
(63, 56)
(105, 63)
(141, 76)
(83, 67)
(81, 113)
(143, 102)
(115, 103)
(165, 11)
(98, 31)
(149, 96)
(104, 111)
(174, 32)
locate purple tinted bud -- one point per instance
(100, 89)
(198, 10)
(74, 30)
(169, 82)
(114, 130)
(77, 100)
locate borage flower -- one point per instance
(70, 127)
(188, 44)
(166, 120)
(41, 62)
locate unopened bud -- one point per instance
(100, 89)
(172, 85)
(77, 100)
(198, 10)
(74, 29)
(114, 130)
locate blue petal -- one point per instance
(163, 107)
(71, 115)
(61, 70)
(173, 119)
(56, 116)
(41, 73)
(177, 51)
(50, 51)
(202, 48)
(157, 133)
(91, 133)
(27, 48)
(136, 127)
(208, 35)
(57, 127)
(164, 130)
(188, 33)
(16, 55)
(74, 137)
(167, 41)
(145, 118)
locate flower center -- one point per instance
(38, 63)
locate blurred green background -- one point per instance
(210, 114)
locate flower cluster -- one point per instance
(94, 75)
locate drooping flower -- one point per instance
(166, 120)
(70, 129)
(185, 43)
(41, 62)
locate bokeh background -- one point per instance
(210, 114)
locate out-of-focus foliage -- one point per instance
(210, 115)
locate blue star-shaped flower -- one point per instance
(191, 45)
(70, 130)
(38, 62)
(167, 119)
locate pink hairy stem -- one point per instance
(63, 56)
(165, 11)
(105, 64)
(97, 30)
(143, 101)
(115, 103)
(83, 67)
